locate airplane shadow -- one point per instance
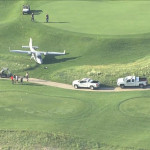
(36, 12)
(53, 60)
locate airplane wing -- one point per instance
(25, 47)
(21, 51)
(35, 47)
(52, 53)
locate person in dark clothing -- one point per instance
(32, 17)
(14, 78)
(47, 17)
(21, 80)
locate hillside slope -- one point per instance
(73, 28)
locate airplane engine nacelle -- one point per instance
(29, 53)
(45, 53)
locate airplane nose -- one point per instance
(40, 61)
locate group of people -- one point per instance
(32, 17)
(15, 78)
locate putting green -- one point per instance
(44, 106)
(98, 17)
(136, 107)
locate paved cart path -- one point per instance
(67, 86)
(70, 87)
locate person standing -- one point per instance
(47, 18)
(32, 17)
(16, 79)
(27, 76)
(21, 80)
(12, 79)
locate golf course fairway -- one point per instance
(117, 120)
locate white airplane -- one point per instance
(36, 55)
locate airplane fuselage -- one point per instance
(36, 56)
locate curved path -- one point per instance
(67, 86)
(70, 87)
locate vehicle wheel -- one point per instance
(91, 87)
(141, 86)
(75, 86)
(122, 86)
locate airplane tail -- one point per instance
(30, 45)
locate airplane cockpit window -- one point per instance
(39, 56)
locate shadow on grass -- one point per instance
(107, 86)
(36, 12)
(57, 22)
(27, 84)
(136, 87)
(52, 22)
(53, 60)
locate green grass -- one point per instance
(105, 74)
(123, 40)
(87, 119)
(104, 40)
(42, 140)
(98, 17)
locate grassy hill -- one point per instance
(95, 33)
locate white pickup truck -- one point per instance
(86, 83)
(132, 81)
